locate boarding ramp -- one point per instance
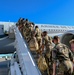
(26, 62)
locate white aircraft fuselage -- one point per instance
(55, 29)
(50, 28)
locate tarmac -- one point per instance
(4, 66)
(7, 45)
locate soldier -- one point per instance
(33, 42)
(29, 31)
(33, 24)
(26, 23)
(72, 45)
(47, 44)
(25, 28)
(38, 37)
(20, 26)
(72, 49)
(21, 21)
(63, 54)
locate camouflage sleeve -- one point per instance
(36, 31)
(50, 39)
(71, 55)
(43, 41)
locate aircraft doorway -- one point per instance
(1, 29)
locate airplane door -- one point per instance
(1, 29)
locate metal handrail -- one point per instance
(14, 69)
(27, 64)
(17, 69)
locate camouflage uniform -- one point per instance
(46, 41)
(20, 22)
(38, 37)
(25, 29)
(62, 53)
(29, 32)
(72, 49)
(72, 42)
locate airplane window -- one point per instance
(63, 26)
(55, 27)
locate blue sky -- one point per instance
(38, 11)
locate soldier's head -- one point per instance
(72, 45)
(36, 27)
(45, 33)
(26, 20)
(23, 19)
(30, 24)
(56, 40)
(33, 24)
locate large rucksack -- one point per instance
(42, 65)
(33, 44)
(62, 52)
(38, 33)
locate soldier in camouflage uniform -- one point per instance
(72, 49)
(26, 28)
(29, 31)
(38, 37)
(20, 21)
(47, 44)
(72, 45)
(64, 55)
(20, 24)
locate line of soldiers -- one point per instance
(56, 60)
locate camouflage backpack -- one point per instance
(62, 51)
(42, 65)
(33, 44)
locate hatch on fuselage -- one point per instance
(1, 29)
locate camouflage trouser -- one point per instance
(60, 69)
(24, 33)
(49, 63)
(28, 37)
(65, 68)
(39, 40)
